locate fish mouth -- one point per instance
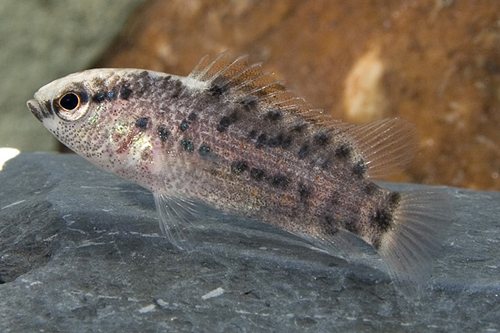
(36, 109)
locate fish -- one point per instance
(231, 136)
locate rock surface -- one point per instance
(80, 251)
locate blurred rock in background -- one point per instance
(42, 40)
(433, 62)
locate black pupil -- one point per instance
(69, 101)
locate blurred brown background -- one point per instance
(435, 63)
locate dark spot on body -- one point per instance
(278, 180)
(252, 134)
(192, 116)
(350, 225)
(287, 142)
(382, 219)
(321, 139)
(223, 124)
(359, 168)
(100, 96)
(303, 152)
(330, 224)
(304, 192)
(226, 121)
(218, 88)
(249, 103)
(184, 125)
(84, 97)
(142, 123)
(343, 151)
(257, 174)
(261, 140)
(187, 145)
(112, 95)
(274, 115)
(125, 92)
(394, 199)
(177, 88)
(275, 141)
(163, 133)
(370, 189)
(238, 167)
(204, 150)
(299, 127)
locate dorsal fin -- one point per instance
(249, 81)
(387, 145)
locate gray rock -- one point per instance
(81, 251)
(43, 40)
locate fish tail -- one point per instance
(415, 239)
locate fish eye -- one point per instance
(71, 105)
(69, 101)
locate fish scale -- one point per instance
(230, 136)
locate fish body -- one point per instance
(230, 136)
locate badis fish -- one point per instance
(230, 136)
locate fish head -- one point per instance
(62, 104)
(91, 112)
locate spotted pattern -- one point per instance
(274, 115)
(142, 123)
(226, 121)
(249, 103)
(303, 152)
(239, 167)
(279, 180)
(343, 151)
(322, 139)
(204, 150)
(187, 145)
(112, 95)
(330, 225)
(100, 96)
(304, 192)
(257, 174)
(184, 125)
(359, 168)
(261, 140)
(218, 88)
(125, 92)
(163, 133)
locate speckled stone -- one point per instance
(80, 251)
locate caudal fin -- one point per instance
(412, 245)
